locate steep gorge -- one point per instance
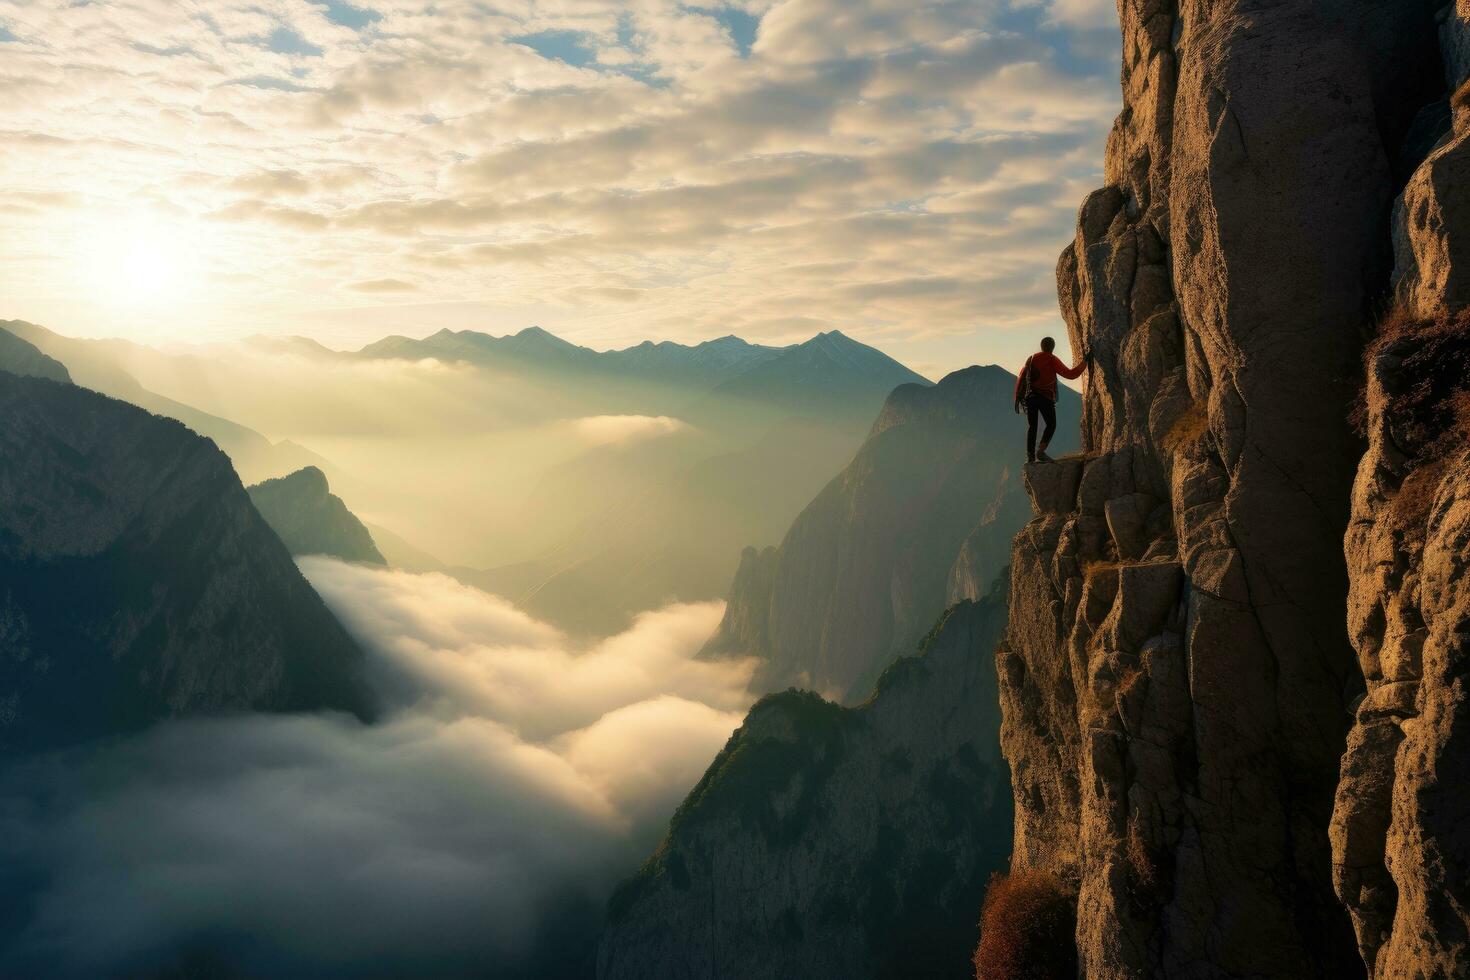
(920, 519)
(1177, 683)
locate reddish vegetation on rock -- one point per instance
(1026, 930)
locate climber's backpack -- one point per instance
(1028, 379)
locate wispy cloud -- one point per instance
(602, 429)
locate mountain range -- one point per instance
(497, 466)
(834, 363)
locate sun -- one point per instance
(137, 261)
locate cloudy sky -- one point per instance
(904, 171)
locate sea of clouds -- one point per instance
(476, 830)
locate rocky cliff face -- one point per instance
(830, 842)
(137, 582)
(1401, 826)
(311, 520)
(1177, 682)
(922, 517)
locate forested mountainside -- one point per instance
(832, 842)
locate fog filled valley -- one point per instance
(538, 661)
(477, 825)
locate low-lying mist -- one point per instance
(475, 831)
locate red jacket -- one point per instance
(1047, 367)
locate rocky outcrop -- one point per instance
(311, 520)
(1401, 826)
(137, 582)
(830, 842)
(1176, 680)
(920, 518)
(21, 357)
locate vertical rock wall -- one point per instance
(1177, 681)
(1401, 826)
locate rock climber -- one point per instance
(1036, 389)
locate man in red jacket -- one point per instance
(1036, 388)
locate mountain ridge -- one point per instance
(137, 581)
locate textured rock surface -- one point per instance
(920, 518)
(311, 520)
(1401, 827)
(1177, 681)
(137, 582)
(21, 357)
(830, 842)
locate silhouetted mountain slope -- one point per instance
(921, 516)
(836, 843)
(311, 520)
(92, 364)
(22, 357)
(137, 582)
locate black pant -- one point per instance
(1047, 409)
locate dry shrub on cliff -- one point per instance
(1143, 875)
(1188, 429)
(1426, 403)
(1027, 929)
(1427, 411)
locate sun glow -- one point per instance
(138, 262)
